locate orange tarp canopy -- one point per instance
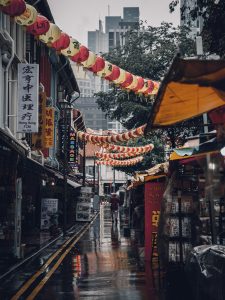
(191, 88)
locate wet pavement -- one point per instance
(103, 264)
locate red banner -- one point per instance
(153, 196)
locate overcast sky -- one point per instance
(78, 17)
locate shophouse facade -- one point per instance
(28, 168)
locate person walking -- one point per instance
(115, 202)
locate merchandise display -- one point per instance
(83, 208)
(193, 208)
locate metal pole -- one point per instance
(84, 162)
(114, 181)
(94, 176)
(98, 170)
(65, 172)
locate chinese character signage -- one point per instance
(38, 138)
(28, 85)
(153, 197)
(49, 127)
(72, 150)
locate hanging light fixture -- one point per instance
(15, 8)
(62, 43)
(40, 26)
(72, 49)
(52, 35)
(28, 17)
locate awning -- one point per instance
(73, 183)
(191, 88)
(209, 147)
(12, 142)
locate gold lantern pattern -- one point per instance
(28, 17)
(52, 35)
(72, 49)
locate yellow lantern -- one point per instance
(72, 49)
(133, 84)
(28, 17)
(90, 61)
(106, 71)
(121, 78)
(5, 2)
(52, 35)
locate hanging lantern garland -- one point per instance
(62, 43)
(127, 150)
(28, 17)
(121, 137)
(117, 155)
(40, 26)
(81, 56)
(120, 163)
(13, 8)
(72, 49)
(51, 35)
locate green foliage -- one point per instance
(148, 52)
(213, 15)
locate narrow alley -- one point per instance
(103, 264)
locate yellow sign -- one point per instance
(49, 127)
(38, 138)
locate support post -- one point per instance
(114, 180)
(94, 175)
(84, 163)
(65, 169)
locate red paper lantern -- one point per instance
(150, 87)
(81, 56)
(140, 84)
(62, 43)
(15, 8)
(28, 17)
(128, 80)
(99, 65)
(40, 26)
(115, 73)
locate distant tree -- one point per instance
(148, 52)
(213, 14)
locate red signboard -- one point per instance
(153, 196)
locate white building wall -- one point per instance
(12, 44)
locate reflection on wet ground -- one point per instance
(103, 265)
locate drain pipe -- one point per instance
(6, 81)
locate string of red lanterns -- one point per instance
(141, 150)
(116, 155)
(120, 137)
(50, 34)
(120, 163)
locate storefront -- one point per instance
(12, 155)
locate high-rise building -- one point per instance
(97, 40)
(93, 116)
(131, 14)
(186, 19)
(112, 22)
(117, 27)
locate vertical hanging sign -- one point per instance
(38, 138)
(28, 85)
(49, 127)
(153, 196)
(72, 149)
